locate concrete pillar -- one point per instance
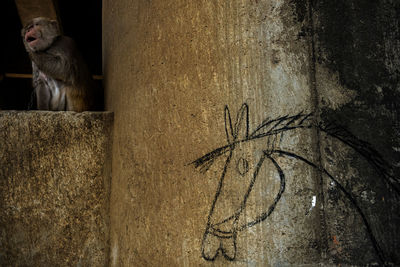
(54, 188)
(223, 151)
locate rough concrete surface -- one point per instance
(357, 46)
(246, 132)
(54, 183)
(170, 68)
(254, 133)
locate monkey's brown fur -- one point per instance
(60, 76)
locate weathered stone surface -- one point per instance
(54, 183)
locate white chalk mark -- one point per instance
(313, 201)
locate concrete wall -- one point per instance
(261, 133)
(256, 132)
(357, 61)
(55, 183)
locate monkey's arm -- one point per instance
(61, 61)
(35, 74)
(55, 65)
(43, 95)
(42, 92)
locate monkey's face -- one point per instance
(39, 34)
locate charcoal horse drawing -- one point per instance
(223, 225)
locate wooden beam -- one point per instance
(18, 75)
(29, 76)
(29, 9)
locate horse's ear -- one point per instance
(228, 126)
(242, 123)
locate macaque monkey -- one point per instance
(61, 78)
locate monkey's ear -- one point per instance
(54, 23)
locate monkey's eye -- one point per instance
(242, 166)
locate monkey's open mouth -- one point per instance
(30, 39)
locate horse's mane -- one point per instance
(281, 124)
(270, 127)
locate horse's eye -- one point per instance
(242, 166)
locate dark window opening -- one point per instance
(80, 20)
